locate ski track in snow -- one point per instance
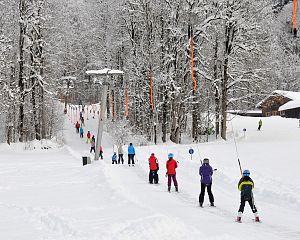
(105, 201)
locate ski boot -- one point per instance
(239, 217)
(212, 204)
(169, 189)
(256, 219)
(176, 188)
(201, 204)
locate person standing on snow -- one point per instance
(120, 153)
(81, 132)
(114, 158)
(246, 185)
(154, 167)
(93, 145)
(131, 153)
(77, 126)
(259, 125)
(206, 172)
(101, 152)
(171, 166)
(88, 137)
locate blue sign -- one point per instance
(191, 151)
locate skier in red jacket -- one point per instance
(77, 126)
(171, 171)
(88, 137)
(154, 167)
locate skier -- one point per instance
(259, 125)
(114, 158)
(131, 153)
(88, 137)
(206, 172)
(77, 126)
(101, 152)
(93, 145)
(81, 132)
(93, 138)
(246, 185)
(154, 167)
(171, 171)
(82, 121)
(120, 153)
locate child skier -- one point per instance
(93, 146)
(246, 185)
(81, 132)
(88, 137)
(77, 126)
(154, 167)
(206, 173)
(171, 171)
(101, 152)
(114, 158)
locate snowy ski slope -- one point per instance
(48, 194)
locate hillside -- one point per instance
(48, 194)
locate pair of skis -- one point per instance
(238, 221)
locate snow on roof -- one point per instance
(289, 94)
(104, 71)
(294, 96)
(245, 111)
(290, 105)
(68, 78)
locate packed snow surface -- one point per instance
(47, 193)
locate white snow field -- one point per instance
(49, 195)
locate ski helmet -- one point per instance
(170, 155)
(206, 161)
(246, 173)
(152, 154)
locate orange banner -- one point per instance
(295, 14)
(126, 102)
(193, 63)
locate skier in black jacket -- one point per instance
(246, 185)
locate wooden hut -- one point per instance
(281, 103)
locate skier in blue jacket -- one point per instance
(206, 173)
(114, 158)
(81, 132)
(131, 153)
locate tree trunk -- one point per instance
(21, 83)
(217, 93)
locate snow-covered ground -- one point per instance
(49, 195)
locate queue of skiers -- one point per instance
(89, 137)
(245, 185)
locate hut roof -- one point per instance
(293, 96)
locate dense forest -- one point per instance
(186, 63)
